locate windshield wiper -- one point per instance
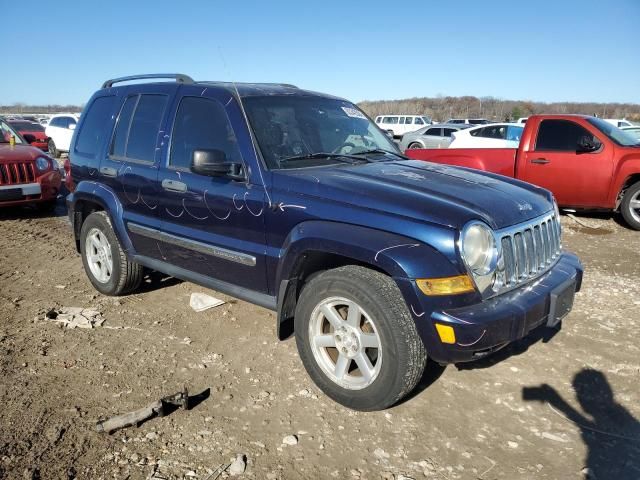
(345, 158)
(381, 150)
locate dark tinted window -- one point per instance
(201, 124)
(408, 121)
(95, 125)
(446, 132)
(434, 132)
(495, 131)
(56, 122)
(122, 129)
(455, 121)
(145, 125)
(478, 132)
(560, 135)
(27, 126)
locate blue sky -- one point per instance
(517, 49)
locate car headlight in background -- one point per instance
(42, 164)
(478, 248)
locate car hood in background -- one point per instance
(19, 153)
(420, 190)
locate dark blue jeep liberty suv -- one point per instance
(298, 202)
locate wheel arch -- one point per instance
(318, 246)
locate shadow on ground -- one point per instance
(609, 430)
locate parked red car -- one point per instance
(586, 162)
(27, 175)
(33, 133)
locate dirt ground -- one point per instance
(490, 420)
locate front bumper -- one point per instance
(485, 327)
(46, 188)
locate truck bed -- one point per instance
(496, 160)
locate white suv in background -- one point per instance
(60, 130)
(398, 125)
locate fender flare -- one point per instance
(398, 256)
(95, 192)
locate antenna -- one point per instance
(246, 119)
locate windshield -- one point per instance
(626, 139)
(27, 126)
(6, 132)
(295, 131)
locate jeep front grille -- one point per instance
(527, 251)
(17, 172)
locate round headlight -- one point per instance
(479, 249)
(42, 164)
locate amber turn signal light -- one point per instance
(445, 286)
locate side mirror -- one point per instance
(29, 137)
(588, 144)
(72, 126)
(213, 163)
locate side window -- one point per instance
(94, 126)
(560, 135)
(137, 128)
(391, 120)
(122, 127)
(433, 132)
(498, 132)
(514, 133)
(479, 132)
(418, 121)
(201, 124)
(446, 132)
(72, 121)
(401, 121)
(55, 122)
(408, 121)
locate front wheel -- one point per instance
(52, 149)
(415, 145)
(105, 263)
(630, 206)
(357, 339)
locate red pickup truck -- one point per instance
(586, 162)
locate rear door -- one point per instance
(130, 167)
(552, 161)
(211, 225)
(433, 137)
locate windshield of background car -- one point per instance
(626, 139)
(6, 132)
(27, 126)
(296, 126)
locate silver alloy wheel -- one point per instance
(98, 253)
(415, 145)
(345, 343)
(634, 206)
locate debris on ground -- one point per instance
(76, 317)
(290, 440)
(158, 408)
(201, 302)
(238, 466)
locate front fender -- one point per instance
(97, 193)
(398, 256)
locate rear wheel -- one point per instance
(630, 206)
(415, 145)
(51, 148)
(357, 339)
(105, 263)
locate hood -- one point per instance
(424, 191)
(19, 153)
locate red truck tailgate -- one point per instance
(496, 160)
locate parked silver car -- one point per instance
(433, 136)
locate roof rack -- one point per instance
(179, 78)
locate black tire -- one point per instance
(126, 276)
(415, 145)
(631, 215)
(52, 149)
(403, 353)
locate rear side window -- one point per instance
(201, 124)
(419, 121)
(433, 132)
(138, 125)
(446, 132)
(560, 135)
(95, 126)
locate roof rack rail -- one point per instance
(179, 78)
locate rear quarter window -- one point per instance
(95, 126)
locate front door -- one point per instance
(211, 225)
(576, 179)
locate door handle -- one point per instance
(174, 185)
(108, 172)
(540, 161)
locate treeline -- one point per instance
(442, 108)
(22, 108)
